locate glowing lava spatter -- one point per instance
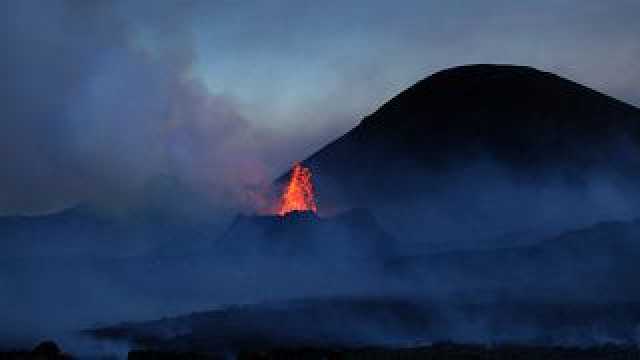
(298, 194)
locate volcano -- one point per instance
(467, 151)
(352, 234)
(527, 122)
(295, 228)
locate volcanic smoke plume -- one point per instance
(298, 194)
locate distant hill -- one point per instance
(596, 263)
(167, 218)
(83, 233)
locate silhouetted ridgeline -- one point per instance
(442, 351)
(530, 122)
(450, 351)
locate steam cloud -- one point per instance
(100, 102)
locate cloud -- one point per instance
(100, 100)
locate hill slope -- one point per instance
(523, 118)
(596, 263)
(476, 129)
(359, 322)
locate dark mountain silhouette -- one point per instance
(528, 122)
(354, 234)
(467, 153)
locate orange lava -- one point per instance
(298, 194)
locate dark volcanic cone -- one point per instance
(355, 234)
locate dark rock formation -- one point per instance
(352, 234)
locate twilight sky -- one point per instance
(103, 98)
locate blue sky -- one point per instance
(290, 56)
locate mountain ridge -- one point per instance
(454, 92)
(466, 132)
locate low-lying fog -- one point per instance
(84, 283)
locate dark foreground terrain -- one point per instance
(447, 351)
(455, 351)
(44, 350)
(361, 322)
